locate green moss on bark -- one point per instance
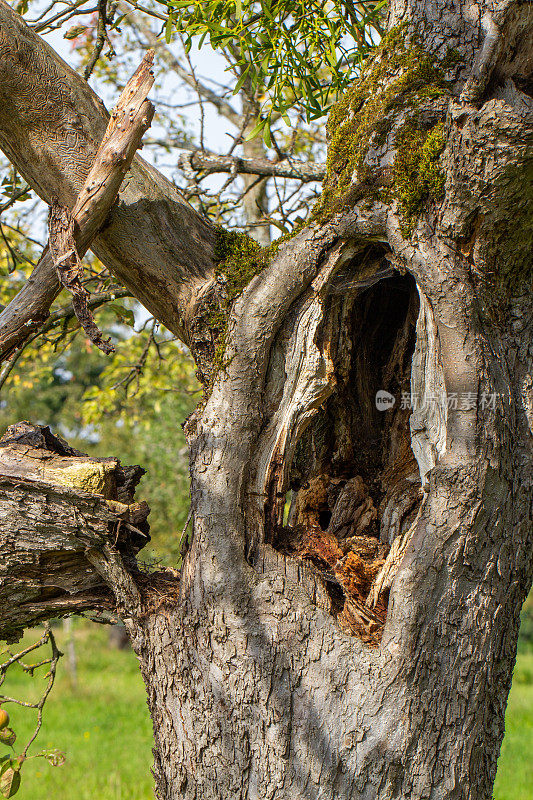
(239, 258)
(401, 75)
(417, 174)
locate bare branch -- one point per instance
(223, 107)
(70, 271)
(209, 164)
(13, 199)
(130, 119)
(101, 32)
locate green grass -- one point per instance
(104, 729)
(102, 726)
(514, 780)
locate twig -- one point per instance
(56, 654)
(101, 33)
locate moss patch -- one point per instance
(239, 258)
(417, 174)
(399, 76)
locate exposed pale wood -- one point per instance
(51, 124)
(129, 121)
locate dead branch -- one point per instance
(223, 107)
(130, 119)
(209, 164)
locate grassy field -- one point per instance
(102, 726)
(514, 780)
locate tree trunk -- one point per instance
(360, 644)
(275, 679)
(258, 686)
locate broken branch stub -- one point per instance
(72, 233)
(61, 512)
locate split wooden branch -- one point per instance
(61, 512)
(51, 126)
(388, 571)
(72, 233)
(70, 272)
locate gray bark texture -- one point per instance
(362, 644)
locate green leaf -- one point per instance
(266, 134)
(124, 314)
(241, 80)
(256, 131)
(168, 28)
(5, 763)
(8, 737)
(296, 51)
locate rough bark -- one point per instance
(282, 671)
(270, 697)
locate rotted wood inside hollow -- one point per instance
(354, 480)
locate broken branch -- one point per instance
(70, 271)
(29, 309)
(62, 510)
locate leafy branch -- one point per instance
(11, 764)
